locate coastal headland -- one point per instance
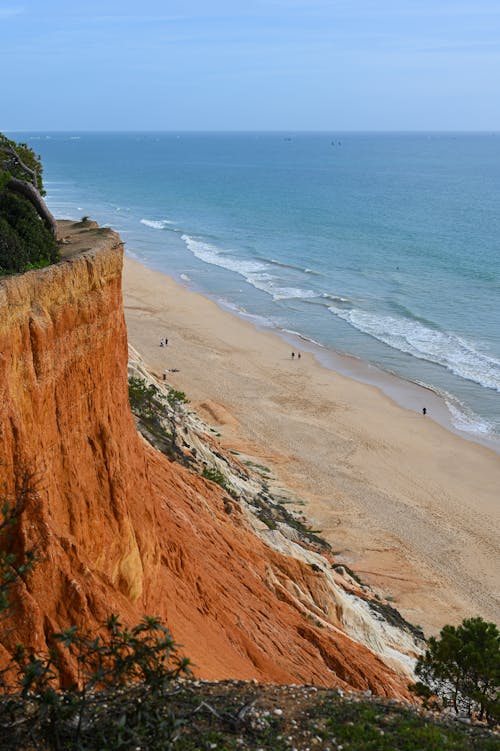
(410, 506)
(118, 526)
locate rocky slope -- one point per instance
(120, 527)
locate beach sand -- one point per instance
(411, 507)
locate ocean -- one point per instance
(385, 247)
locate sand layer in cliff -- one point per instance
(410, 506)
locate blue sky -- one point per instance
(254, 65)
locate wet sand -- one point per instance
(412, 507)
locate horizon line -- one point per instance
(491, 131)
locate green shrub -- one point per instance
(14, 158)
(124, 676)
(13, 565)
(175, 398)
(13, 255)
(215, 475)
(461, 669)
(25, 242)
(118, 699)
(144, 399)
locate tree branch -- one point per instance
(7, 149)
(29, 191)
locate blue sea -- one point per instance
(382, 246)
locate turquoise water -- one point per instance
(385, 246)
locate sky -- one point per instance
(254, 65)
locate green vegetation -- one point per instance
(214, 475)
(261, 468)
(352, 574)
(130, 688)
(157, 415)
(13, 566)
(143, 398)
(461, 669)
(149, 401)
(271, 513)
(19, 161)
(174, 398)
(85, 223)
(117, 700)
(230, 715)
(149, 406)
(377, 726)
(267, 518)
(25, 242)
(394, 617)
(27, 229)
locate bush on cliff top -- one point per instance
(27, 227)
(25, 241)
(19, 161)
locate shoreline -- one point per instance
(411, 505)
(404, 391)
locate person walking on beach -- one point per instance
(166, 342)
(299, 355)
(424, 411)
(293, 355)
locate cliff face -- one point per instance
(119, 527)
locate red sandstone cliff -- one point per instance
(120, 527)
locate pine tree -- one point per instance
(462, 668)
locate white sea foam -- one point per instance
(241, 311)
(287, 293)
(185, 278)
(448, 350)
(303, 337)
(211, 254)
(463, 418)
(335, 298)
(255, 272)
(156, 223)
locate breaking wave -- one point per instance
(448, 350)
(255, 272)
(463, 418)
(303, 337)
(156, 223)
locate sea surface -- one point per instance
(382, 246)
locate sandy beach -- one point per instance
(410, 506)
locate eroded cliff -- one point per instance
(120, 528)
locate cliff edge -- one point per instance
(121, 528)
